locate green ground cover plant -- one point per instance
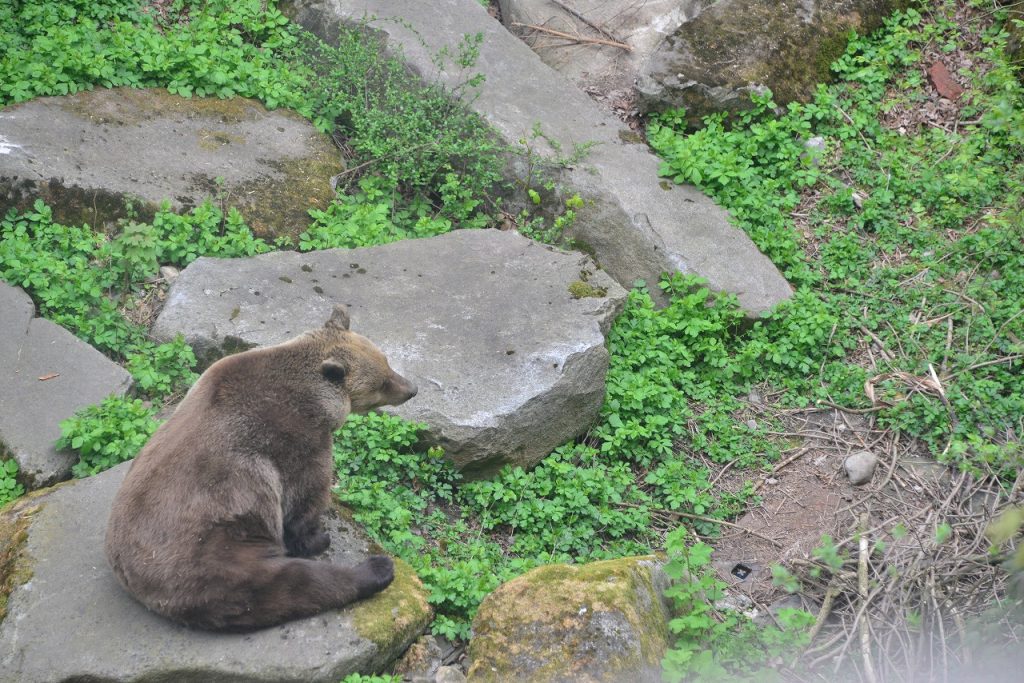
(914, 236)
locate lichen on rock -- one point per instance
(15, 566)
(594, 622)
(736, 48)
(271, 165)
(393, 617)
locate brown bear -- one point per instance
(219, 511)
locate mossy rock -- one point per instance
(60, 596)
(15, 563)
(602, 621)
(736, 48)
(146, 146)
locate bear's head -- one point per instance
(356, 372)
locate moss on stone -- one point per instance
(15, 564)
(598, 621)
(580, 290)
(785, 45)
(212, 140)
(393, 616)
(130, 106)
(276, 203)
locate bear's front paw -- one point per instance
(375, 574)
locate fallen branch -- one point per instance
(702, 518)
(576, 39)
(588, 22)
(800, 452)
(862, 588)
(826, 607)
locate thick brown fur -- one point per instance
(219, 511)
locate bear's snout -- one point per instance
(404, 390)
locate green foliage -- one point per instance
(9, 486)
(915, 235)
(371, 678)
(1008, 526)
(107, 434)
(540, 228)
(370, 217)
(586, 501)
(715, 644)
(134, 253)
(78, 277)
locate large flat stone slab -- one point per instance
(46, 375)
(509, 363)
(68, 619)
(636, 224)
(85, 153)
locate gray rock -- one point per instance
(168, 273)
(735, 48)
(860, 466)
(274, 164)
(508, 363)
(594, 67)
(70, 620)
(600, 621)
(449, 674)
(421, 661)
(816, 148)
(46, 375)
(634, 223)
(736, 602)
(792, 601)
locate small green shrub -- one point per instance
(107, 434)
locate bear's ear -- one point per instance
(334, 370)
(339, 318)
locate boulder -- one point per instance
(735, 48)
(46, 375)
(67, 618)
(271, 165)
(599, 69)
(603, 621)
(635, 224)
(503, 336)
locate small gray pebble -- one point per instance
(449, 674)
(860, 466)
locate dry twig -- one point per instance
(571, 37)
